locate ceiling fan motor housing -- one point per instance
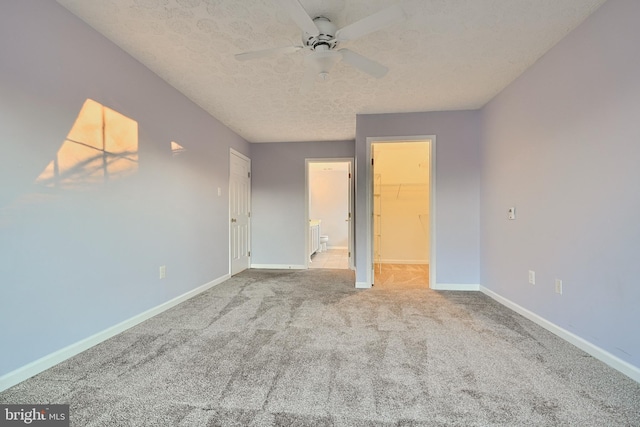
(327, 36)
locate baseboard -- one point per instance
(615, 362)
(338, 247)
(363, 285)
(27, 371)
(279, 266)
(404, 261)
(456, 287)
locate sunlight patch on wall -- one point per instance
(177, 149)
(101, 146)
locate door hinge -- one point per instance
(372, 161)
(349, 215)
(349, 175)
(249, 174)
(249, 214)
(249, 253)
(349, 255)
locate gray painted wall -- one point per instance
(457, 186)
(278, 225)
(562, 145)
(75, 262)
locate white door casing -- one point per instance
(239, 211)
(369, 226)
(350, 203)
(350, 216)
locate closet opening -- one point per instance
(401, 214)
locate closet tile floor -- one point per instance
(401, 276)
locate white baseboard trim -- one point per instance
(337, 247)
(279, 266)
(363, 285)
(27, 371)
(615, 362)
(456, 287)
(405, 261)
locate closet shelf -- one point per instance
(403, 191)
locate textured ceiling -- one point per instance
(447, 55)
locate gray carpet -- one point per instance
(298, 348)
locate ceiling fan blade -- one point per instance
(372, 23)
(363, 63)
(266, 52)
(300, 16)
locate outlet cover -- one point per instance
(163, 271)
(532, 277)
(558, 286)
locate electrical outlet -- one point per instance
(532, 277)
(558, 286)
(163, 271)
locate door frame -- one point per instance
(432, 201)
(233, 152)
(307, 196)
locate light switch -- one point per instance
(219, 191)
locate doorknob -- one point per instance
(233, 220)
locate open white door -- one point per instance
(239, 210)
(350, 218)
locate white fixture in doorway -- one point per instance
(324, 239)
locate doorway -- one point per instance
(239, 211)
(329, 207)
(401, 213)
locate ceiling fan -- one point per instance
(322, 38)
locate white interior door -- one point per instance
(240, 211)
(350, 218)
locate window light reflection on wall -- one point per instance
(102, 145)
(177, 149)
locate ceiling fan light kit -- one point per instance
(321, 37)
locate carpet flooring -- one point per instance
(304, 348)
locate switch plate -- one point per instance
(532, 277)
(558, 286)
(511, 213)
(219, 191)
(163, 271)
